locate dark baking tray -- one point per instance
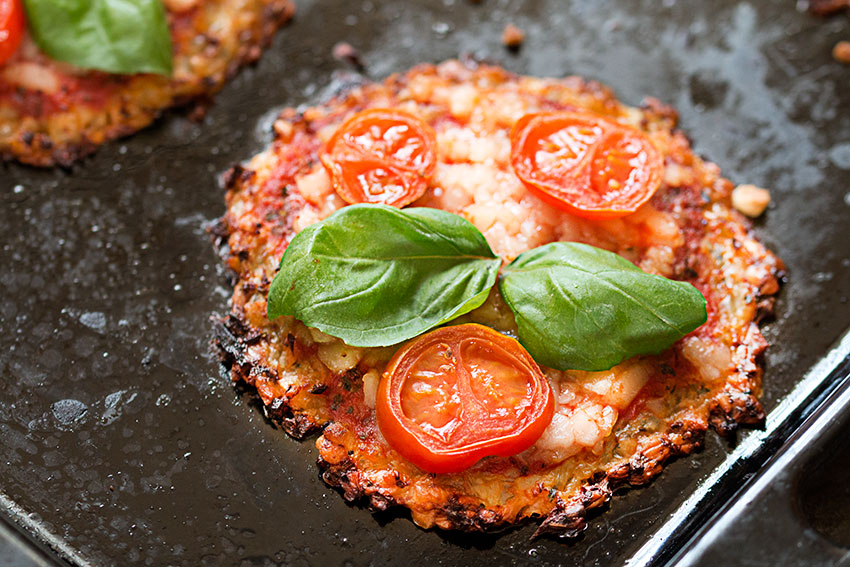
(122, 442)
(795, 510)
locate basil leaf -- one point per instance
(374, 275)
(579, 307)
(118, 36)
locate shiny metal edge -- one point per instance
(752, 452)
(41, 542)
(811, 431)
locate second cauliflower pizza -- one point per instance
(495, 297)
(76, 74)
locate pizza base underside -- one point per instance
(211, 42)
(688, 232)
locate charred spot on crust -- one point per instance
(230, 335)
(350, 379)
(732, 409)
(236, 177)
(567, 520)
(338, 475)
(297, 425)
(469, 518)
(227, 334)
(657, 111)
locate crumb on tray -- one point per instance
(750, 200)
(345, 52)
(841, 52)
(512, 37)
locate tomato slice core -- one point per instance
(11, 27)
(374, 181)
(461, 393)
(381, 156)
(500, 385)
(430, 396)
(584, 164)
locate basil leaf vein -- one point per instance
(580, 307)
(117, 36)
(374, 275)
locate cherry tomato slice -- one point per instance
(461, 393)
(381, 156)
(584, 164)
(11, 27)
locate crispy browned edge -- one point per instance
(232, 335)
(33, 147)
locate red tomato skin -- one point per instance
(566, 192)
(406, 437)
(11, 27)
(353, 154)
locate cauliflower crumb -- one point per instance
(512, 37)
(315, 186)
(338, 356)
(32, 76)
(713, 361)
(841, 52)
(750, 200)
(345, 52)
(370, 388)
(284, 129)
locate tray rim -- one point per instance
(723, 488)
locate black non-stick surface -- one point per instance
(121, 439)
(794, 513)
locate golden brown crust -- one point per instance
(211, 42)
(710, 378)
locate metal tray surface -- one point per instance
(121, 440)
(794, 512)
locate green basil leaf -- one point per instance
(579, 307)
(118, 36)
(374, 275)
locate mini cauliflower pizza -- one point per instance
(78, 73)
(495, 298)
